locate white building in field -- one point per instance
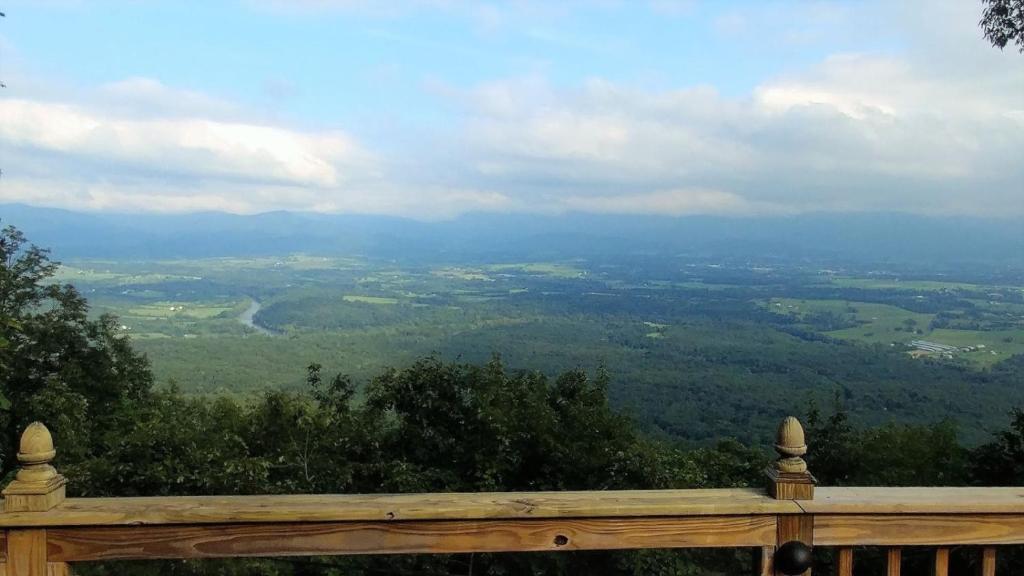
(927, 346)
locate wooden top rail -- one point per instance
(40, 528)
(513, 505)
(916, 500)
(396, 507)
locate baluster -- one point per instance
(765, 567)
(845, 564)
(895, 557)
(988, 561)
(942, 562)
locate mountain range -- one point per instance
(862, 238)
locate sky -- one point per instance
(433, 109)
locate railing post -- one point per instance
(788, 476)
(789, 479)
(36, 488)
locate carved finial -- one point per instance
(790, 444)
(37, 486)
(35, 454)
(788, 475)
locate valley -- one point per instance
(693, 347)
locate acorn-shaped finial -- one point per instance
(35, 454)
(36, 445)
(789, 440)
(790, 444)
(37, 487)
(788, 476)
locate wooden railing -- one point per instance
(42, 532)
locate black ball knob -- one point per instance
(792, 558)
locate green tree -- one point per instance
(463, 427)
(59, 366)
(1002, 22)
(889, 455)
(1001, 461)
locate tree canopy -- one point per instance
(59, 366)
(1002, 22)
(430, 426)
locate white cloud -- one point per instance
(124, 196)
(856, 132)
(936, 127)
(158, 158)
(147, 97)
(193, 147)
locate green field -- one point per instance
(898, 284)
(369, 299)
(885, 324)
(999, 344)
(694, 350)
(878, 323)
(556, 270)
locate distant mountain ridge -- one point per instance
(857, 237)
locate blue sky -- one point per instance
(340, 61)
(431, 109)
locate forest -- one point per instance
(344, 247)
(696, 349)
(428, 425)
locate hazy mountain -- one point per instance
(863, 238)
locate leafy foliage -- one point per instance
(1001, 462)
(432, 426)
(59, 366)
(1003, 22)
(696, 352)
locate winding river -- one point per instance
(247, 318)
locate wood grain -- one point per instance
(988, 561)
(34, 496)
(918, 529)
(52, 569)
(916, 500)
(783, 490)
(405, 537)
(641, 503)
(195, 527)
(362, 507)
(790, 486)
(942, 562)
(844, 562)
(795, 527)
(764, 566)
(26, 552)
(894, 561)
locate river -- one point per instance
(247, 318)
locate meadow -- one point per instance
(693, 348)
(872, 323)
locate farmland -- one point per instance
(692, 347)
(871, 323)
